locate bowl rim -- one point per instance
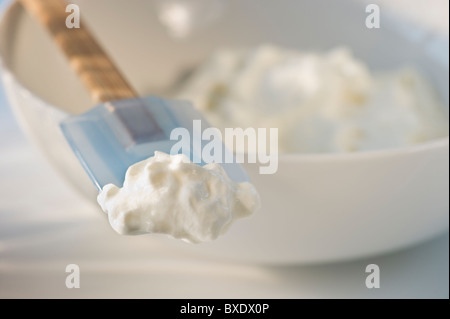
(431, 145)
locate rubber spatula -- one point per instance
(124, 128)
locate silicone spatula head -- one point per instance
(114, 135)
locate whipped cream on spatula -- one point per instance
(170, 195)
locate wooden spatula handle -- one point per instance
(96, 70)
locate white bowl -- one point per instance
(316, 208)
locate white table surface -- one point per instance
(44, 226)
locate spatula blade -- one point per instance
(112, 136)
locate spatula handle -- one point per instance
(96, 70)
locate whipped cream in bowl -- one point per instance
(321, 102)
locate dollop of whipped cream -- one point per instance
(170, 195)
